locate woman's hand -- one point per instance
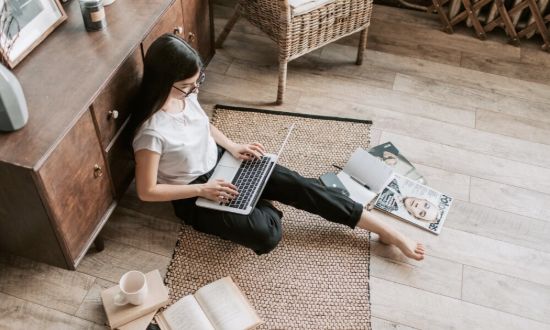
(247, 151)
(218, 191)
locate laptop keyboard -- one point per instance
(248, 178)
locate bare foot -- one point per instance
(409, 247)
(388, 235)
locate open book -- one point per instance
(367, 179)
(220, 305)
(390, 155)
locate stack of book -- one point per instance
(131, 317)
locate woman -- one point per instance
(176, 149)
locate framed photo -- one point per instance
(24, 24)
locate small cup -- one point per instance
(133, 289)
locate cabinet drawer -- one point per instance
(76, 185)
(197, 27)
(170, 22)
(121, 162)
(112, 106)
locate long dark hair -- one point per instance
(169, 59)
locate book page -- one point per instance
(226, 306)
(357, 192)
(185, 314)
(368, 170)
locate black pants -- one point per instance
(261, 229)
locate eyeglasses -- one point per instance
(195, 87)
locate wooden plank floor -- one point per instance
(473, 116)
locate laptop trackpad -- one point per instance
(229, 161)
(224, 172)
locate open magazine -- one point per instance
(390, 155)
(367, 178)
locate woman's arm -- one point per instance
(240, 151)
(146, 181)
(221, 139)
(149, 190)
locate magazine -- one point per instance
(415, 203)
(368, 179)
(390, 155)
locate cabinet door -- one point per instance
(112, 106)
(170, 22)
(76, 186)
(197, 26)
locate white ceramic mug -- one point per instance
(133, 289)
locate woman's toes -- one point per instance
(410, 248)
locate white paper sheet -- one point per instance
(369, 170)
(356, 191)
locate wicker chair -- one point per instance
(297, 35)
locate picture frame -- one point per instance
(24, 24)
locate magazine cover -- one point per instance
(415, 203)
(390, 155)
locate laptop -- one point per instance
(250, 177)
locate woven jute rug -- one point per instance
(318, 275)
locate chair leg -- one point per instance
(362, 46)
(228, 26)
(283, 64)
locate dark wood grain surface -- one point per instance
(77, 185)
(197, 21)
(113, 106)
(170, 22)
(62, 76)
(20, 200)
(121, 162)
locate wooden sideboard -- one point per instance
(61, 175)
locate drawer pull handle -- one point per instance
(192, 37)
(98, 171)
(178, 30)
(113, 114)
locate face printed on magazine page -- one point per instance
(389, 158)
(421, 208)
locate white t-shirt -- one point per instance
(183, 140)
